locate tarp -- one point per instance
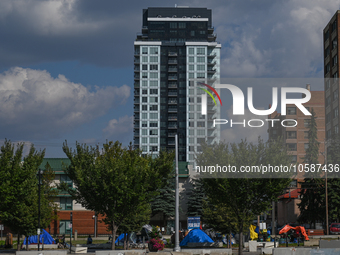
(298, 228)
(196, 236)
(121, 238)
(253, 234)
(34, 239)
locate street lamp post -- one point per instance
(176, 248)
(324, 154)
(39, 188)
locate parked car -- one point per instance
(334, 229)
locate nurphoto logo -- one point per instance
(238, 104)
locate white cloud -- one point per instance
(115, 128)
(35, 105)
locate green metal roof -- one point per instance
(183, 170)
(56, 164)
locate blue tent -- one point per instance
(196, 236)
(34, 239)
(121, 238)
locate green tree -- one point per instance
(196, 198)
(164, 203)
(243, 198)
(19, 190)
(333, 157)
(312, 205)
(115, 181)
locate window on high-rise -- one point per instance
(144, 75)
(191, 59)
(306, 135)
(144, 116)
(334, 43)
(153, 59)
(328, 101)
(200, 123)
(144, 59)
(200, 59)
(294, 160)
(327, 68)
(335, 95)
(329, 133)
(191, 67)
(144, 67)
(153, 67)
(153, 124)
(306, 146)
(173, 24)
(200, 67)
(291, 146)
(335, 59)
(144, 132)
(191, 51)
(200, 75)
(200, 51)
(144, 50)
(192, 33)
(182, 25)
(144, 123)
(144, 99)
(153, 50)
(334, 25)
(144, 107)
(336, 76)
(326, 34)
(153, 91)
(336, 129)
(153, 116)
(153, 75)
(327, 51)
(291, 110)
(154, 132)
(153, 99)
(153, 107)
(291, 134)
(336, 113)
(153, 83)
(306, 123)
(153, 139)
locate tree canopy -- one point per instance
(243, 198)
(19, 190)
(312, 205)
(115, 181)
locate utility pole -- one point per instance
(177, 248)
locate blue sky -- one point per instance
(66, 67)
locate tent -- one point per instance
(298, 228)
(48, 239)
(253, 234)
(196, 236)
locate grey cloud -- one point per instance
(35, 105)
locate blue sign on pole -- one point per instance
(194, 222)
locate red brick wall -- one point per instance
(82, 222)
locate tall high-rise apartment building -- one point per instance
(176, 50)
(331, 74)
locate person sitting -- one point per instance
(89, 240)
